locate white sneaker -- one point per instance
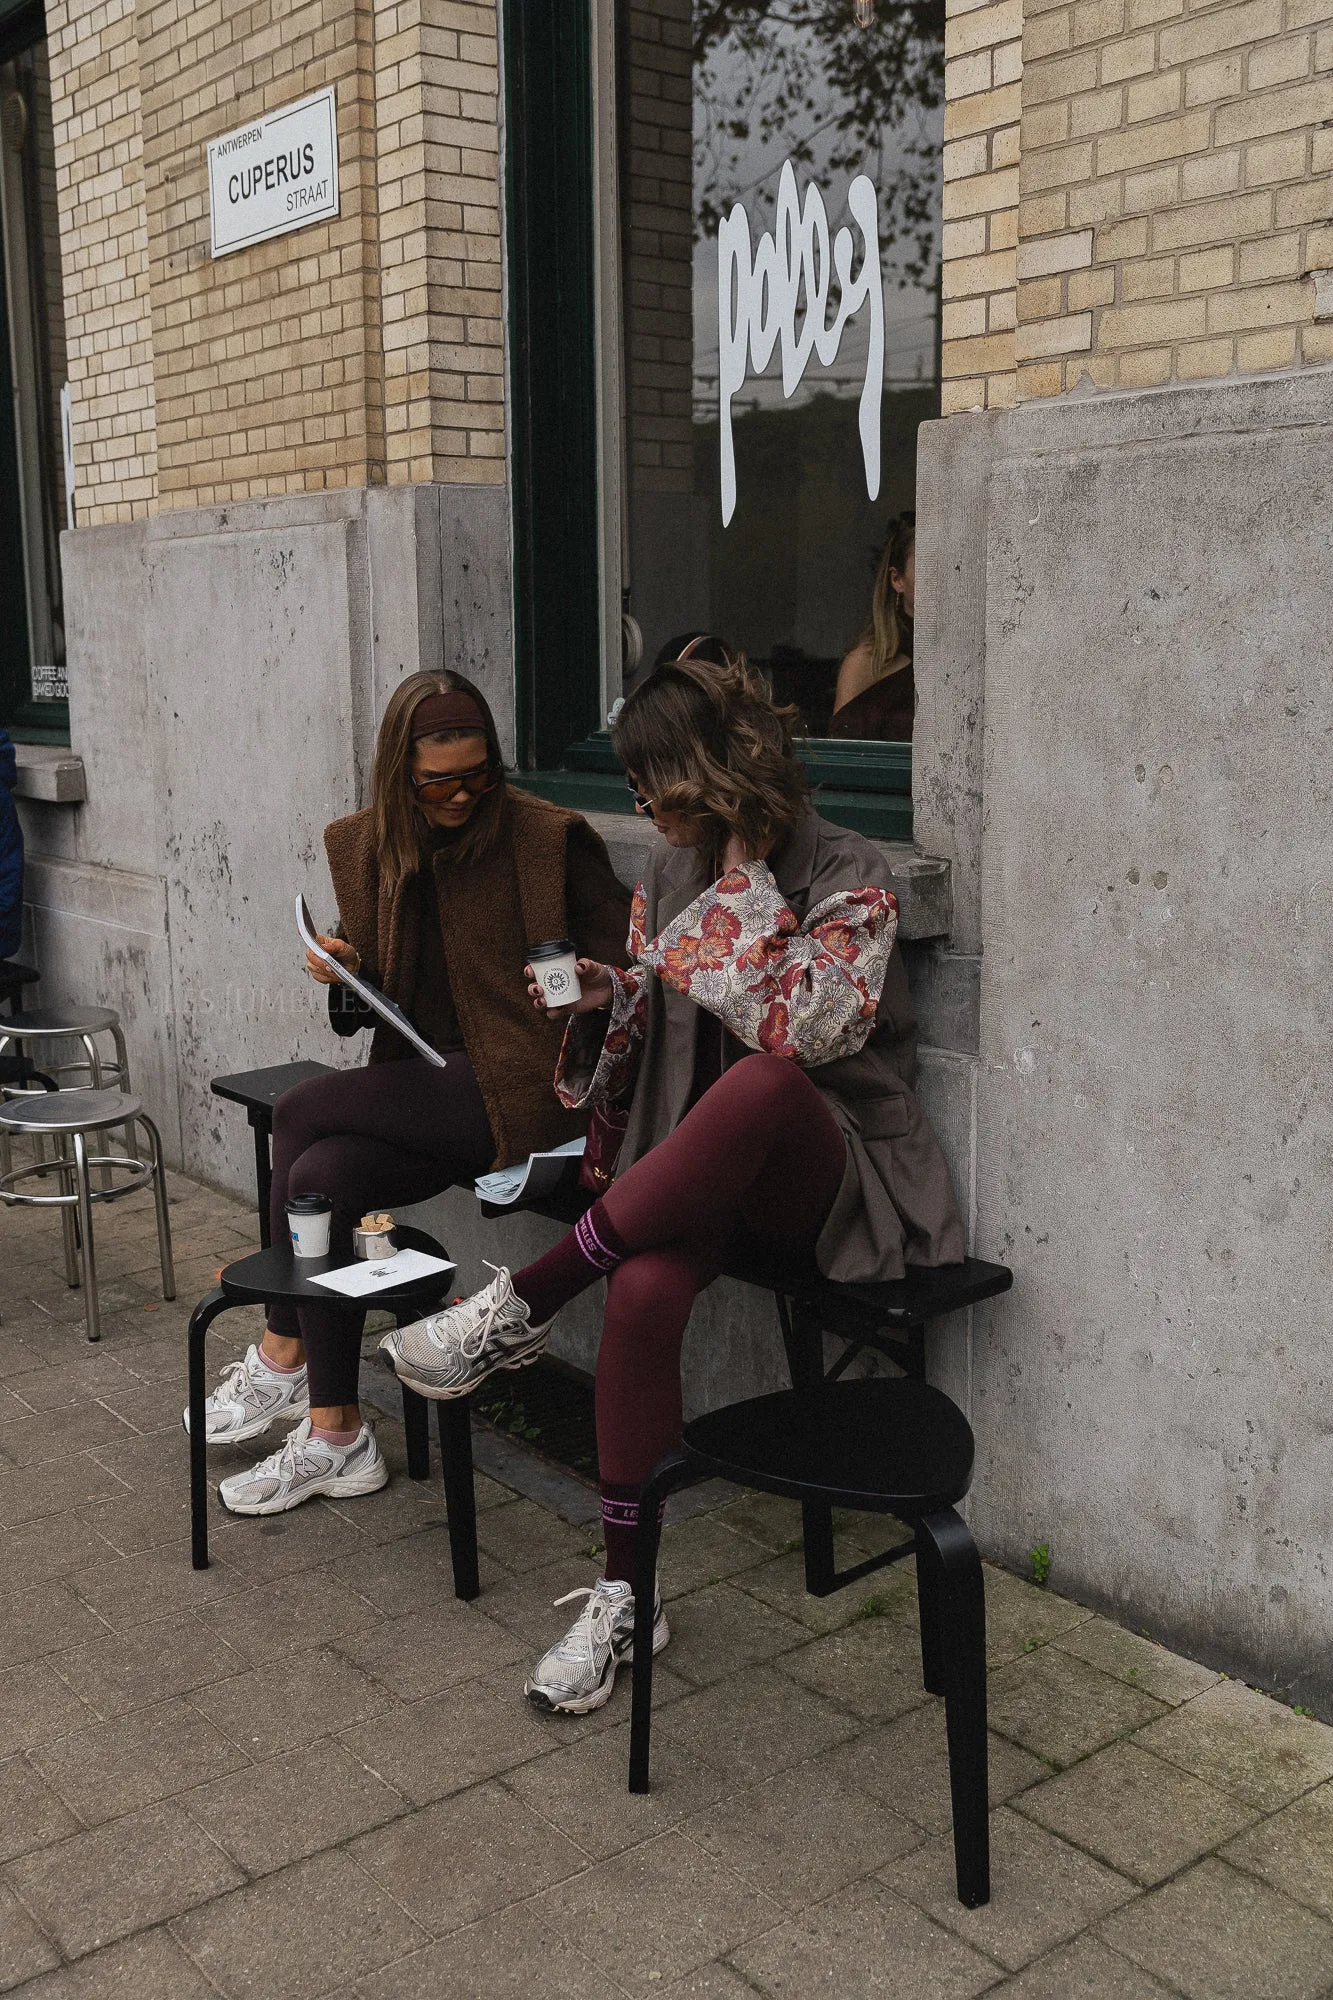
(579, 1672)
(450, 1353)
(303, 1467)
(249, 1398)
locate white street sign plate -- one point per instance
(278, 174)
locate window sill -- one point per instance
(49, 773)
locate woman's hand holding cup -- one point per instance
(346, 954)
(595, 991)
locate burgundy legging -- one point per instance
(368, 1138)
(760, 1154)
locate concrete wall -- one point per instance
(1154, 1131)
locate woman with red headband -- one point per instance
(442, 883)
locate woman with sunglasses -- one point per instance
(442, 883)
(764, 1042)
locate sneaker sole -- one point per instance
(436, 1393)
(292, 1414)
(588, 1703)
(347, 1489)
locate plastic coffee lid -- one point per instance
(309, 1204)
(553, 948)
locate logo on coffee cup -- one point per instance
(557, 981)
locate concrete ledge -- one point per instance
(922, 883)
(51, 774)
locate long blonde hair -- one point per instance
(889, 631)
(402, 831)
(705, 738)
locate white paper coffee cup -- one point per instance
(555, 968)
(310, 1218)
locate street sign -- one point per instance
(278, 174)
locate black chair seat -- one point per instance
(259, 1090)
(886, 1446)
(279, 1274)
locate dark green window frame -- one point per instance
(563, 752)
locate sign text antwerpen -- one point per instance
(278, 174)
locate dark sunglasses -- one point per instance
(437, 791)
(644, 805)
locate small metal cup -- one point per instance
(371, 1245)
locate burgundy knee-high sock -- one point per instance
(592, 1250)
(620, 1529)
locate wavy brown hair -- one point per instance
(889, 630)
(703, 736)
(402, 831)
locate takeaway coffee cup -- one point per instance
(309, 1217)
(555, 968)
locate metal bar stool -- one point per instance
(72, 1115)
(39, 1030)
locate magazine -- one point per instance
(541, 1174)
(387, 1009)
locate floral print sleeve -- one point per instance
(808, 991)
(600, 1052)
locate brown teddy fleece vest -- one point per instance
(491, 910)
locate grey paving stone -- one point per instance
(710, 1982)
(150, 1966)
(27, 1439)
(1137, 1661)
(754, 1725)
(117, 1767)
(1293, 1850)
(157, 1583)
(781, 1582)
(1144, 1816)
(295, 1935)
(905, 1765)
(39, 1550)
(1217, 1934)
(273, 1813)
(526, 1605)
(18, 1356)
(87, 1379)
(36, 1707)
(1042, 1890)
(583, 1789)
(1019, 1616)
(1246, 1743)
(30, 1813)
(42, 1619)
(316, 1694)
(1062, 1709)
(132, 1873)
(403, 1507)
(1084, 1970)
(799, 1836)
(465, 1856)
(872, 1667)
(523, 1536)
(867, 1942)
(717, 1631)
(24, 1952)
(289, 1615)
(131, 1523)
(657, 1911)
(127, 1670)
(34, 1492)
(431, 1650)
(409, 1572)
(767, 1519)
(429, 1748)
(512, 1956)
(705, 1550)
(260, 1550)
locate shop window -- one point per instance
(726, 334)
(33, 504)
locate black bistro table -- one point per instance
(259, 1090)
(278, 1274)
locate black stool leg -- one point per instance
(803, 1338)
(928, 1602)
(454, 1418)
(961, 1603)
(416, 1425)
(201, 1319)
(668, 1472)
(262, 1125)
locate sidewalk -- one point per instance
(309, 1770)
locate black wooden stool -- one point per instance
(259, 1090)
(275, 1274)
(888, 1446)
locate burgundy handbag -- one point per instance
(606, 1135)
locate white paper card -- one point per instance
(360, 1280)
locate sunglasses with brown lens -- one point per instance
(438, 790)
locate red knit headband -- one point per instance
(439, 712)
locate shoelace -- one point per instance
(472, 1339)
(593, 1625)
(280, 1464)
(234, 1383)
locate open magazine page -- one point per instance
(387, 1009)
(539, 1175)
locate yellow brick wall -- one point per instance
(983, 85)
(660, 334)
(93, 55)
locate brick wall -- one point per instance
(983, 85)
(660, 335)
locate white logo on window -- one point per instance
(795, 257)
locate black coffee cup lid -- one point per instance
(309, 1204)
(552, 948)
